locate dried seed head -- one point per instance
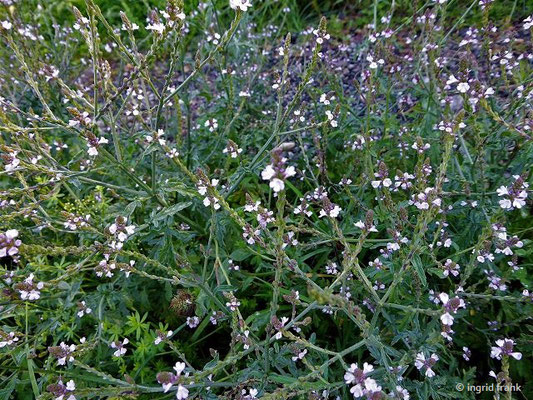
(323, 25)
(183, 303)
(125, 20)
(369, 219)
(77, 14)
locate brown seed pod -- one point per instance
(183, 303)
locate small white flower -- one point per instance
(7, 25)
(268, 173)
(182, 392)
(193, 322)
(462, 87)
(505, 348)
(446, 319)
(242, 5)
(179, 367)
(157, 27)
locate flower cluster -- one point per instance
(121, 230)
(168, 379)
(205, 188)
(505, 347)
(8, 339)
(9, 244)
(232, 149)
(363, 385)
(451, 306)
(62, 391)
(242, 5)
(515, 195)
(28, 289)
(277, 172)
(63, 353)
(426, 364)
(120, 347)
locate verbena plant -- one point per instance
(201, 207)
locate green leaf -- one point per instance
(130, 208)
(287, 380)
(240, 255)
(5, 393)
(33, 381)
(167, 212)
(417, 265)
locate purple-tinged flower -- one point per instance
(504, 347)
(119, 347)
(303, 208)
(93, 143)
(402, 181)
(451, 267)
(421, 363)
(29, 290)
(463, 87)
(8, 339)
(329, 209)
(495, 282)
(251, 206)
(363, 385)
(233, 303)
(321, 36)
(264, 217)
(167, 379)
(250, 234)
(215, 316)
(289, 240)
(158, 27)
(515, 195)
(279, 325)
(451, 305)
(466, 353)
(299, 355)
(11, 161)
(277, 173)
(331, 268)
(526, 293)
(400, 393)
(105, 267)
(232, 266)
(182, 393)
(426, 199)
(63, 353)
(161, 336)
(382, 177)
(484, 256)
(74, 222)
(9, 244)
(120, 229)
(252, 394)
(210, 200)
(6, 25)
(173, 153)
(61, 391)
(158, 136)
(232, 149)
(193, 322)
